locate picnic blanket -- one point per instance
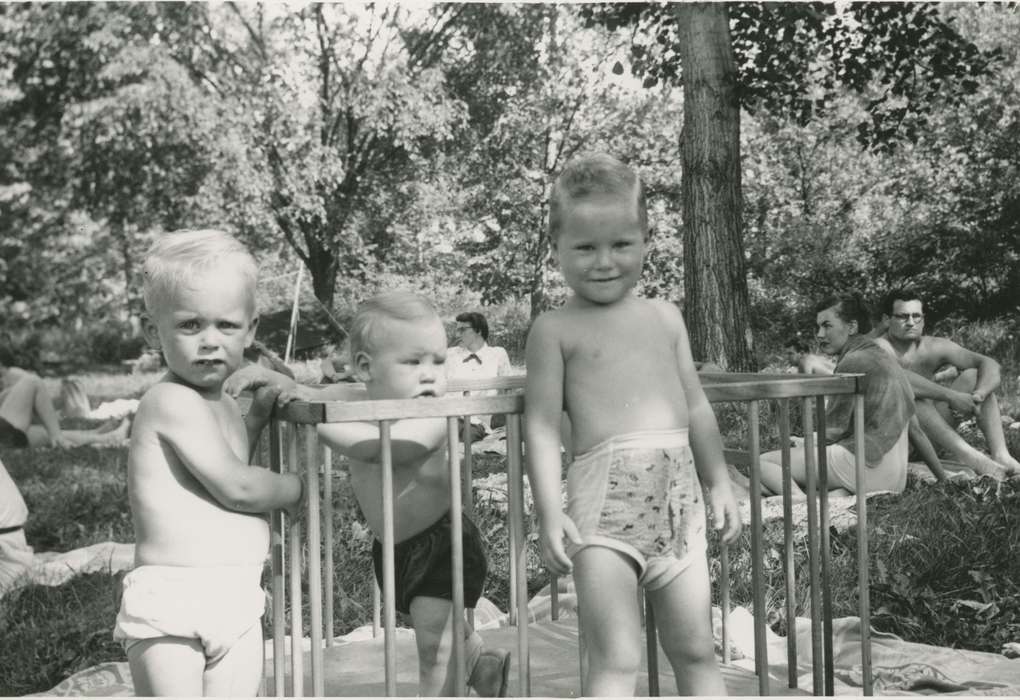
(55, 568)
(899, 667)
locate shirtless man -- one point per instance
(971, 393)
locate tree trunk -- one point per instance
(323, 266)
(715, 282)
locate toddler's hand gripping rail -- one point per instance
(748, 388)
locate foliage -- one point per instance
(906, 61)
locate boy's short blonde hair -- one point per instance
(590, 175)
(178, 258)
(388, 306)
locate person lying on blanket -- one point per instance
(888, 406)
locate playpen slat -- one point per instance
(277, 566)
(826, 549)
(811, 489)
(394, 409)
(724, 573)
(389, 589)
(297, 677)
(515, 479)
(789, 560)
(327, 520)
(862, 546)
(757, 561)
(457, 557)
(314, 559)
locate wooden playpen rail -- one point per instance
(750, 389)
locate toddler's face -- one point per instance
(600, 248)
(408, 360)
(204, 328)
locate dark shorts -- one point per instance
(11, 436)
(423, 564)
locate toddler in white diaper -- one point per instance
(190, 616)
(643, 433)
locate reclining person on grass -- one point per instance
(971, 393)
(190, 616)
(398, 348)
(29, 419)
(888, 406)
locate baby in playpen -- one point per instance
(398, 349)
(642, 432)
(190, 616)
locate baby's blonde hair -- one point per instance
(590, 175)
(388, 306)
(178, 258)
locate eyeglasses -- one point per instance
(908, 317)
(463, 329)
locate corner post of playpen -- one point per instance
(811, 490)
(518, 555)
(312, 466)
(789, 563)
(862, 545)
(457, 557)
(327, 523)
(276, 558)
(389, 589)
(826, 548)
(761, 663)
(297, 676)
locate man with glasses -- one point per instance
(971, 393)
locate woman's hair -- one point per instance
(477, 322)
(594, 174)
(388, 306)
(849, 307)
(178, 258)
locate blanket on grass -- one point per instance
(899, 667)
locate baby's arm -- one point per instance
(543, 397)
(182, 418)
(411, 439)
(706, 442)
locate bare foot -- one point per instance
(1011, 466)
(491, 673)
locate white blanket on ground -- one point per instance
(898, 667)
(55, 568)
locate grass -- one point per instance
(943, 558)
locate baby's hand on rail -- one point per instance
(295, 392)
(725, 512)
(551, 536)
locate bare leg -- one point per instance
(924, 448)
(28, 400)
(433, 635)
(37, 436)
(165, 666)
(238, 673)
(944, 435)
(772, 471)
(683, 612)
(607, 600)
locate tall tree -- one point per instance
(710, 154)
(792, 59)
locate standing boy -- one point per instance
(398, 349)
(190, 617)
(621, 368)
